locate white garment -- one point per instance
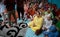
(2, 8)
(40, 5)
(47, 23)
(48, 15)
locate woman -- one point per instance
(10, 6)
(20, 7)
(36, 23)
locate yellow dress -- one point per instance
(37, 22)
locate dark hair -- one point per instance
(54, 21)
(38, 12)
(0, 1)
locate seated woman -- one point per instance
(36, 23)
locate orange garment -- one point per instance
(31, 12)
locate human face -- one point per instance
(49, 18)
(38, 14)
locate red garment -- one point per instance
(10, 4)
(28, 16)
(54, 7)
(32, 12)
(57, 12)
(9, 1)
(47, 5)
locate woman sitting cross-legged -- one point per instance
(36, 23)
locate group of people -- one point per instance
(42, 15)
(10, 6)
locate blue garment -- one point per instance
(53, 28)
(52, 33)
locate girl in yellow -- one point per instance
(36, 23)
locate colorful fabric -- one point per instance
(46, 13)
(37, 22)
(51, 14)
(32, 12)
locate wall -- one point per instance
(57, 2)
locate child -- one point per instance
(47, 23)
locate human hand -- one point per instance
(34, 25)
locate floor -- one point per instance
(25, 32)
